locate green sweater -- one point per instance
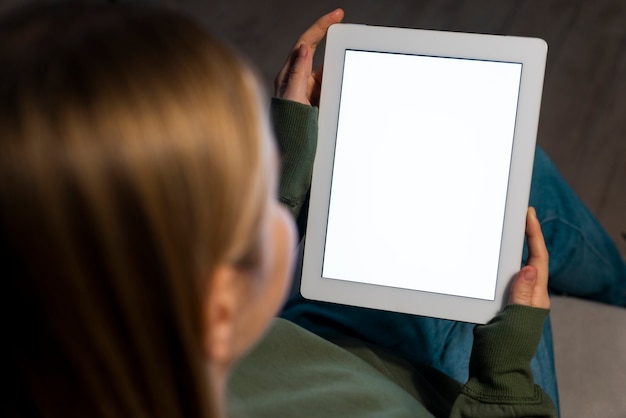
(294, 373)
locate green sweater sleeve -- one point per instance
(501, 383)
(295, 126)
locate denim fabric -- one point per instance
(583, 262)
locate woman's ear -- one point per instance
(221, 302)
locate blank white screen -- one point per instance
(420, 172)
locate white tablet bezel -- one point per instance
(531, 53)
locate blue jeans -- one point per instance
(583, 262)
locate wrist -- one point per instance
(503, 349)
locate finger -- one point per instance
(314, 35)
(528, 291)
(537, 251)
(530, 286)
(317, 75)
(295, 84)
(314, 88)
(523, 287)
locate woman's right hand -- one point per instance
(530, 287)
(297, 81)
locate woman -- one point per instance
(142, 247)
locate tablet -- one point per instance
(422, 173)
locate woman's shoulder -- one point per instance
(293, 372)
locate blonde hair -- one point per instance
(134, 158)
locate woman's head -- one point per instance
(136, 175)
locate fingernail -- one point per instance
(303, 51)
(529, 275)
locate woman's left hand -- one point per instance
(296, 80)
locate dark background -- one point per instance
(583, 117)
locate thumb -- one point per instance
(296, 82)
(523, 287)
